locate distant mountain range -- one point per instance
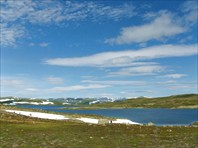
(58, 101)
(176, 101)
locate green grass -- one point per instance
(178, 101)
(20, 131)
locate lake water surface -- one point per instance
(158, 116)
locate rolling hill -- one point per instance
(177, 101)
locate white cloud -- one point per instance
(32, 89)
(11, 82)
(77, 87)
(190, 9)
(24, 12)
(55, 80)
(162, 26)
(12, 10)
(150, 15)
(123, 82)
(138, 71)
(27, 87)
(53, 11)
(174, 76)
(179, 87)
(9, 35)
(166, 82)
(31, 44)
(127, 57)
(87, 77)
(22, 86)
(126, 10)
(143, 91)
(43, 44)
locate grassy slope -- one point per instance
(179, 101)
(21, 131)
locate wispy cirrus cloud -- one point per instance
(175, 87)
(27, 87)
(24, 87)
(12, 85)
(55, 80)
(116, 82)
(77, 87)
(44, 44)
(26, 12)
(161, 27)
(10, 34)
(127, 57)
(11, 82)
(174, 76)
(50, 11)
(190, 10)
(32, 89)
(138, 71)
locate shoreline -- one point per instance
(98, 108)
(62, 117)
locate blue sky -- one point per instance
(98, 48)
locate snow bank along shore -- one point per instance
(61, 117)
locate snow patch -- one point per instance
(124, 121)
(5, 100)
(35, 103)
(61, 117)
(39, 115)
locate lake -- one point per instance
(158, 116)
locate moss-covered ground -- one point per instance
(20, 131)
